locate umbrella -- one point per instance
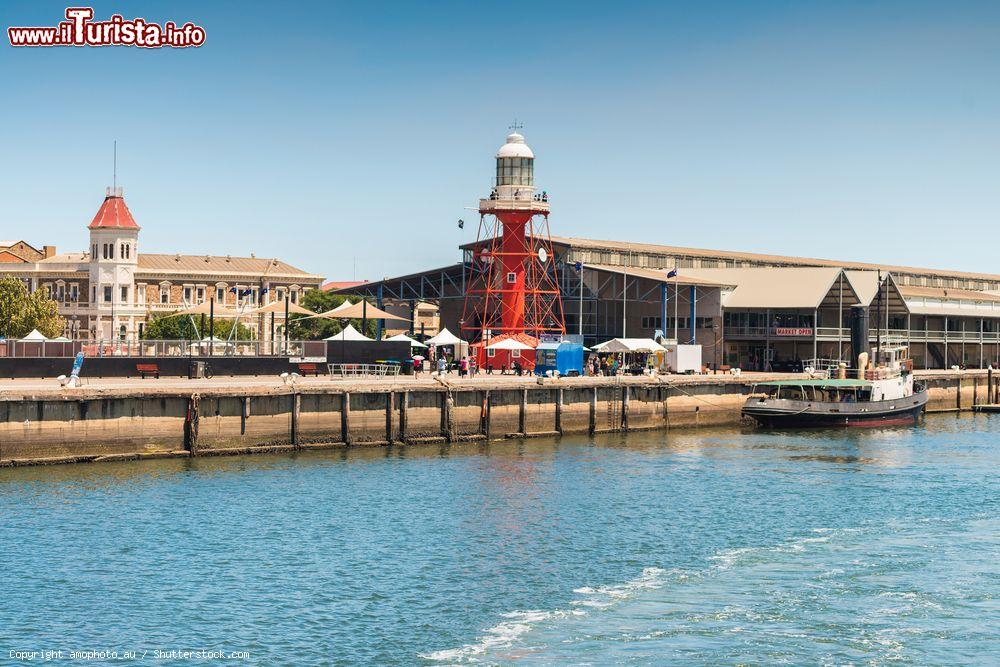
(419, 357)
(205, 308)
(359, 310)
(444, 337)
(349, 333)
(279, 308)
(509, 344)
(403, 338)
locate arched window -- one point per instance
(104, 249)
(128, 251)
(121, 252)
(121, 332)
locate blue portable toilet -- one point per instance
(564, 356)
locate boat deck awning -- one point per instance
(812, 382)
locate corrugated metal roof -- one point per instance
(787, 287)
(656, 274)
(865, 284)
(948, 293)
(249, 266)
(777, 259)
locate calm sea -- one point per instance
(696, 547)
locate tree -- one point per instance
(173, 327)
(318, 328)
(20, 312)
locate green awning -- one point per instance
(845, 384)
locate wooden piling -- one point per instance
(296, 411)
(522, 413)
(447, 418)
(559, 410)
(592, 424)
(191, 425)
(390, 409)
(625, 408)
(404, 404)
(345, 418)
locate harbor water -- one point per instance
(694, 547)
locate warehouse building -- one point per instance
(747, 310)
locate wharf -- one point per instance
(114, 418)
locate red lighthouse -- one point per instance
(513, 292)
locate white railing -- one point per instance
(363, 370)
(162, 348)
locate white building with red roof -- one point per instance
(110, 291)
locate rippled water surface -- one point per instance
(696, 547)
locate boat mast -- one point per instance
(878, 320)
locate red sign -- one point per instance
(792, 331)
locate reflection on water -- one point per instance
(707, 546)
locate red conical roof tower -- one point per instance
(113, 214)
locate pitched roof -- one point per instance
(248, 266)
(656, 274)
(786, 287)
(341, 284)
(653, 248)
(865, 284)
(113, 214)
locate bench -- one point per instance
(306, 369)
(148, 369)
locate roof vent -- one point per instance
(177, 257)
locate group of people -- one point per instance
(466, 366)
(611, 365)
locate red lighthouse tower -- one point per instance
(513, 291)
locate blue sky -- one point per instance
(333, 133)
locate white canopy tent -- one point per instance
(642, 345)
(405, 339)
(349, 333)
(34, 336)
(444, 337)
(509, 344)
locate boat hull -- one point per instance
(774, 413)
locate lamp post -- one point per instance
(579, 269)
(715, 348)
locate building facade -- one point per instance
(746, 310)
(110, 291)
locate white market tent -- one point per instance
(509, 344)
(646, 345)
(444, 337)
(34, 336)
(405, 339)
(349, 333)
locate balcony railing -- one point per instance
(834, 333)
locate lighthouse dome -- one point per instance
(515, 147)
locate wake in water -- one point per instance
(518, 623)
(761, 603)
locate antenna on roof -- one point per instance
(515, 126)
(114, 167)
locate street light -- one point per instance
(715, 348)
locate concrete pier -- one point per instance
(40, 423)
